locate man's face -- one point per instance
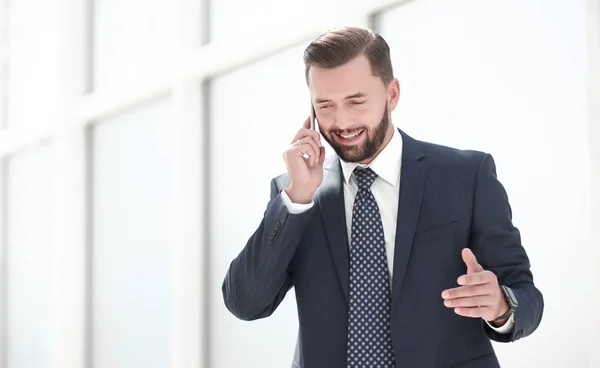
(352, 107)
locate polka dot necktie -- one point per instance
(369, 336)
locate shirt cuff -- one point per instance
(295, 208)
(506, 328)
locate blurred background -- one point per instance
(138, 139)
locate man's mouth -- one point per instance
(350, 137)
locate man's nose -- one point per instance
(342, 119)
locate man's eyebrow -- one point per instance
(355, 95)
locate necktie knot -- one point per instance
(365, 178)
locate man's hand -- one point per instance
(479, 296)
(304, 159)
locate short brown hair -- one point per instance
(338, 46)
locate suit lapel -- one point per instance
(330, 200)
(412, 183)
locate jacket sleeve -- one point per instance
(497, 246)
(260, 276)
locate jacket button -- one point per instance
(277, 225)
(519, 334)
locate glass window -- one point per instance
(416, 48)
(3, 61)
(235, 19)
(28, 259)
(3, 91)
(254, 114)
(132, 242)
(132, 39)
(457, 84)
(508, 78)
(33, 63)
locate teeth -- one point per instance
(351, 135)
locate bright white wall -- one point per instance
(253, 117)
(593, 82)
(508, 78)
(258, 17)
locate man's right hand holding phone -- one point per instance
(306, 174)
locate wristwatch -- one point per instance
(511, 300)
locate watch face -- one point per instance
(510, 297)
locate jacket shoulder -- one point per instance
(437, 154)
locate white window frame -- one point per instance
(184, 82)
(593, 84)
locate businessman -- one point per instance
(401, 253)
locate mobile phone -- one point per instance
(313, 118)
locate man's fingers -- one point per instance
(478, 312)
(478, 278)
(474, 301)
(316, 149)
(471, 261)
(467, 291)
(299, 150)
(307, 133)
(309, 150)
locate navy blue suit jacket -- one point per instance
(449, 199)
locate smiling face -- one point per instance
(353, 108)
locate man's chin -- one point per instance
(351, 155)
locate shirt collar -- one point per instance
(386, 165)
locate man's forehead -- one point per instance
(359, 66)
(352, 77)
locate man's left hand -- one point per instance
(479, 296)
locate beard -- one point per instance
(366, 150)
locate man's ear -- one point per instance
(393, 93)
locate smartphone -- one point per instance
(313, 118)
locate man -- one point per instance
(402, 253)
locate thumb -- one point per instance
(471, 261)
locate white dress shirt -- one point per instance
(386, 190)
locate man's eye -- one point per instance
(358, 102)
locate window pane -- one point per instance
(3, 60)
(248, 134)
(3, 91)
(132, 238)
(485, 75)
(33, 62)
(29, 254)
(132, 39)
(407, 29)
(235, 19)
(508, 78)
